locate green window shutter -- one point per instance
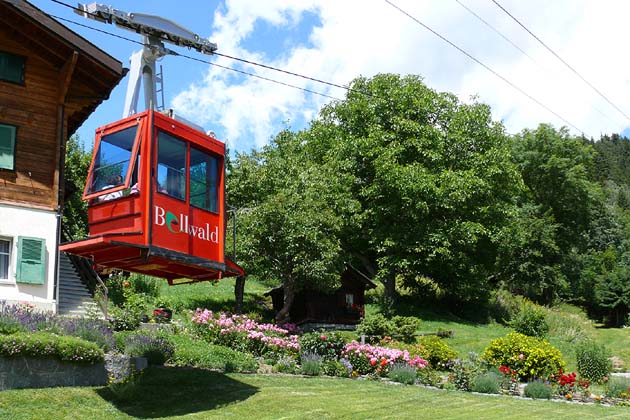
(31, 260)
(7, 146)
(12, 67)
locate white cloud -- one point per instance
(368, 37)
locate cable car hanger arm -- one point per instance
(149, 25)
(155, 30)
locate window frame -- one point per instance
(22, 82)
(10, 279)
(132, 159)
(217, 158)
(186, 144)
(15, 136)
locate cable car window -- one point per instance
(112, 159)
(171, 169)
(204, 179)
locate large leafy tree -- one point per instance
(571, 224)
(555, 168)
(77, 164)
(434, 179)
(291, 213)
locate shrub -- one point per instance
(538, 390)
(336, 368)
(530, 320)
(618, 387)
(23, 317)
(244, 334)
(43, 344)
(10, 325)
(405, 328)
(463, 372)
(286, 364)
(198, 353)
(126, 318)
(94, 330)
(530, 357)
(374, 327)
(569, 324)
(329, 345)
(311, 364)
(366, 359)
(428, 376)
(438, 351)
(505, 306)
(403, 373)
(593, 361)
(156, 349)
(486, 383)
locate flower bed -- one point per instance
(367, 359)
(242, 333)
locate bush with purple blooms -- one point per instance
(23, 317)
(156, 349)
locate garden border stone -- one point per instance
(33, 372)
(30, 372)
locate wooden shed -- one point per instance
(344, 306)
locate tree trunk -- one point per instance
(389, 294)
(239, 291)
(389, 285)
(283, 316)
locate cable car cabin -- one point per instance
(156, 201)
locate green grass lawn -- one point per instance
(217, 296)
(170, 393)
(617, 340)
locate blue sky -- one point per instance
(340, 40)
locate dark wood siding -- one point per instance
(31, 107)
(64, 73)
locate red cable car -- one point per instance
(156, 186)
(156, 201)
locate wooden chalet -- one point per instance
(51, 80)
(344, 306)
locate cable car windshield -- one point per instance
(112, 160)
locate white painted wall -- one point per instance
(21, 221)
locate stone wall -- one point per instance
(28, 372)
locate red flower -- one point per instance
(373, 362)
(323, 337)
(126, 284)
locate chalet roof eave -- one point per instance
(66, 35)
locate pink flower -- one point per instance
(521, 356)
(323, 337)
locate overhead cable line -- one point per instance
(253, 63)
(599, 111)
(467, 54)
(495, 30)
(560, 58)
(204, 61)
